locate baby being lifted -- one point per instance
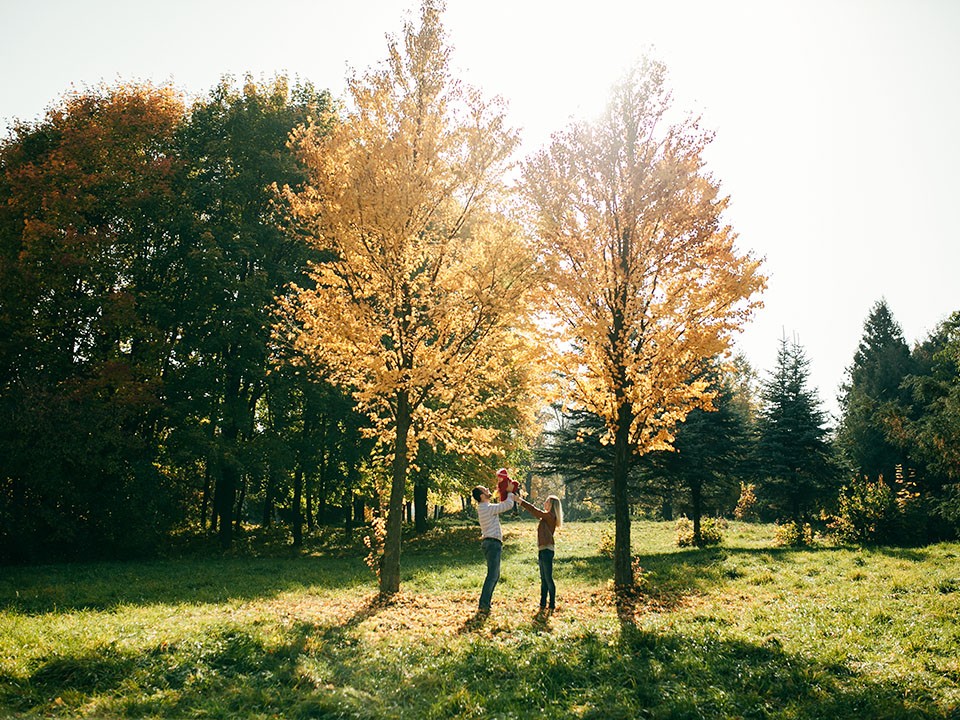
(505, 484)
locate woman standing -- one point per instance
(551, 518)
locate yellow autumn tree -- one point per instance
(646, 281)
(420, 306)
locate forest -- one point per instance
(273, 308)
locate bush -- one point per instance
(947, 508)
(793, 534)
(607, 544)
(710, 532)
(747, 504)
(873, 513)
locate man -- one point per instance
(491, 539)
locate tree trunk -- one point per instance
(390, 567)
(297, 500)
(322, 472)
(420, 505)
(309, 494)
(696, 491)
(622, 554)
(226, 497)
(241, 498)
(205, 500)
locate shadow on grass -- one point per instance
(216, 578)
(105, 586)
(318, 672)
(669, 577)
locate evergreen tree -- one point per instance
(711, 453)
(927, 426)
(793, 448)
(881, 363)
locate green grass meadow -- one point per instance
(743, 630)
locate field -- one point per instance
(744, 630)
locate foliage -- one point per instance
(374, 544)
(880, 513)
(711, 532)
(927, 424)
(793, 534)
(140, 254)
(419, 306)
(240, 258)
(645, 280)
(747, 502)
(712, 450)
(84, 248)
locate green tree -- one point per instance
(927, 423)
(711, 453)
(793, 447)
(874, 380)
(241, 257)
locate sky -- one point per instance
(837, 121)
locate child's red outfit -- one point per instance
(505, 485)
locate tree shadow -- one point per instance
(323, 671)
(107, 585)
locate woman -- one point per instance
(551, 518)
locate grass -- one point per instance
(745, 630)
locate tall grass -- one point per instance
(745, 629)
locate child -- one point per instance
(505, 484)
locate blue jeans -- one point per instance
(547, 586)
(492, 550)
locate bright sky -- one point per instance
(837, 121)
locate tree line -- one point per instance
(268, 305)
(884, 471)
(142, 251)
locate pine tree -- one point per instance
(793, 446)
(881, 363)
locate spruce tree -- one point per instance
(881, 363)
(793, 446)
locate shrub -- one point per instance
(607, 544)
(793, 534)
(710, 532)
(873, 513)
(747, 504)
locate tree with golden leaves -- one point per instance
(646, 281)
(420, 305)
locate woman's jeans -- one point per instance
(547, 586)
(492, 550)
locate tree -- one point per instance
(933, 427)
(646, 281)
(241, 256)
(793, 447)
(874, 380)
(425, 283)
(710, 451)
(85, 197)
(927, 424)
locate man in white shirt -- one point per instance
(492, 539)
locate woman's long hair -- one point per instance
(556, 508)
